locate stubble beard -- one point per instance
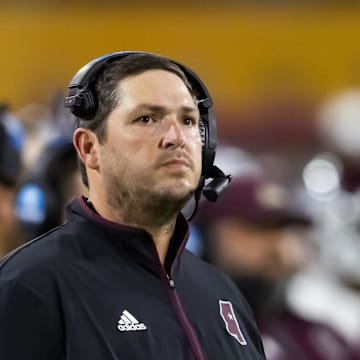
(139, 200)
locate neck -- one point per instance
(161, 237)
(159, 221)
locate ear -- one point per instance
(86, 145)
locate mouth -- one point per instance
(176, 163)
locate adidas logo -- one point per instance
(128, 322)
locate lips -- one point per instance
(176, 162)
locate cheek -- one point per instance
(125, 148)
(129, 156)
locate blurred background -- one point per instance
(269, 64)
(285, 78)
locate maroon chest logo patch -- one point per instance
(232, 325)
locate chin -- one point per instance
(177, 193)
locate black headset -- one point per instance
(82, 102)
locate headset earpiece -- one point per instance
(82, 104)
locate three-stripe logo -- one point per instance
(128, 322)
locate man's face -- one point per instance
(152, 147)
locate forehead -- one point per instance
(160, 87)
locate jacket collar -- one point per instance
(130, 241)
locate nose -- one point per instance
(173, 135)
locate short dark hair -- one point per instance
(105, 88)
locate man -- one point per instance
(115, 282)
(256, 235)
(11, 138)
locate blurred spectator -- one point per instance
(11, 142)
(329, 290)
(44, 124)
(53, 181)
(258, 237)
(51, 177)
(38, 127)
(338, 128)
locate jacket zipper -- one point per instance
(189, 331)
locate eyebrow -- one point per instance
(162, 109)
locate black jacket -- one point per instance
(92, 289)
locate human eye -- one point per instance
(190, 121)
(145, 119)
